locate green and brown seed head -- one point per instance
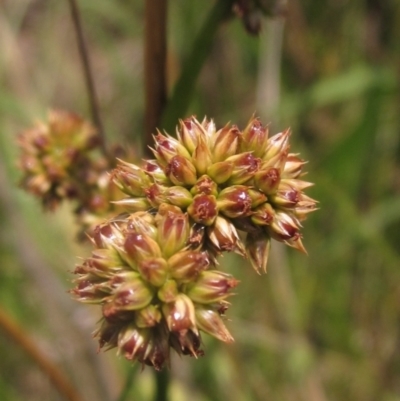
(227, 181)
(157, 291)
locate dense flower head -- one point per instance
(157, 289)
(60, 160)
(240, 189)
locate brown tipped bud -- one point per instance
(189, 131)
(284, 226)
(181, 171)
(130, 179)
(185, 266)
(179, 314)
(286, 196)
(205, 185)
(254, 138)
(153, 169)
(134, 343)
(133, 205)
(142, 223)
(140, 247)
(103, 263)
(186, 343)
(155, 195)
(277, 144)
(178, 196)
(293, 166)
(234, 201)
(210, 322)
(224, 236)
(295, 242)
(203, 209)
(149, 316)
(154, 271)
(267, 180)
(211, 286)
(168, 292)
(257, 248)
(201, 158)
(226, 143)
(173, 230)
(263, 215)
(107, 236)
(132, 295)
(300, 185)
(220, 172)
(90, 291)
(245, 166)
(167, 148)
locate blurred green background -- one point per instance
(316, 328)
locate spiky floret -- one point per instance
(226, 180)
(157, 290)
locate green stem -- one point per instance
(128, 383)
(179, 102)
(162, 382)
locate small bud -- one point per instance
(167, 148)
(225, 143)
(133, 295)
(205, 185)
(267, 180)
(257, 249)
(181, 171)
(263, 215)
(224, 236)
(257, 197)
(188, 132)
(293, 166)
(220, 172)
(234, 201)
(186, 343)
(133, 342)
(133, 205)
(173, 230)
(103, 263)
(185, 266)
(154, 270)
(168, 292)
(149, 316)
(139, 247)
(178, 196)
(155, 195)
(203, 209)
(130, 179)
(284, 226)
(201, 158)
(210, 322)
(277, 144)
(211, 286)
(245, 166)
(153, 169)
(179, 314)
(286, 196)
(254, 138)
(142, 223)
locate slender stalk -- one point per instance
(128, 383)
(162, 382)
(58, 379)
(87, 72)
(178, 104)
(155, 66)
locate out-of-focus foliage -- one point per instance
(316, 328)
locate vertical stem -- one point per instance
(154, 66)
(87, 72)
(155, 53)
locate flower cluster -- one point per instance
(227, 181)
(157, 290)
(60, 160)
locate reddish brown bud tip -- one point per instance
(181, 171)
(203, 209)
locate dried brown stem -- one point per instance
(154, 66)
(53, 372)
(87, 72)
